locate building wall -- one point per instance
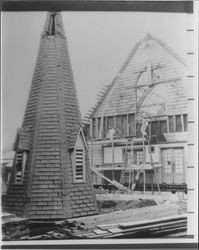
(171, 148)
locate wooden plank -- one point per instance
(146, 222)
(113, 182)
(154, 227)
(109, 5)
(100, 232)
(130, 167)
(115, 230)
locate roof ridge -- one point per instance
(169, 49)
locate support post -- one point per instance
(144, 180)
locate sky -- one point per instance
(99, 43)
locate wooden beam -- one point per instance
(113, 182)
(129, 167)
(109, 5)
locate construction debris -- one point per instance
(14, 227)
(117, 219)
(101, 228)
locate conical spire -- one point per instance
(50, 177)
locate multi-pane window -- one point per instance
(173, 160)
(177, 123)
(155, 128)
(158, 127)
(178, 159)
(139, 156)
(79, 165)
(185, 122)
(132, 128)
(171, 124)
(163, 127)
(138, 130)
(166, 160)
(124, 125)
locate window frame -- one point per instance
(75, 180)
(24, 156)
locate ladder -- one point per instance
(127, 174)
(152, 163)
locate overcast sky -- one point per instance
(99, 42)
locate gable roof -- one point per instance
(22, 140)
(74, 137)
(120, 96)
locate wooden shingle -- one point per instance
(169, 97)
(48, 189)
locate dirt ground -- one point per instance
(113, 205)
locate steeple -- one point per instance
(51, 175)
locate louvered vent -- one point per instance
(79, 165)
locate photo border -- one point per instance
(97, 5)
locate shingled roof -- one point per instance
(22, 141)
(48, 190)
(166, 98)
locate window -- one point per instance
(139, 156)
(132, 124)
(158, 127)
(21, 158)
(105, 127)
(119, 126)
(167, 161)
(178, 160)
(178, 123)
(155, 128)
(138, 130)
(112, 155)
(171, 127)
(163, 127)
(185, 122)
(79, 165)
(110, 122)
(124, 125)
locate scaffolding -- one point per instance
(132, 170)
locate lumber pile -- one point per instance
(147, 228)
(176, 224)
(153, 221)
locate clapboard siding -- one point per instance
(96, 154)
